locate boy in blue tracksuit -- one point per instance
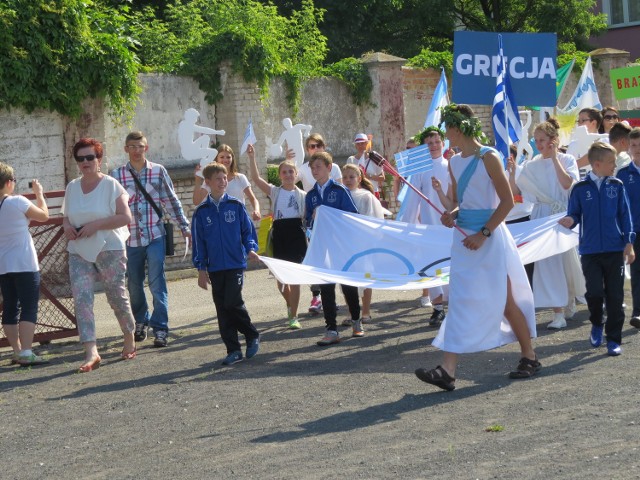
(600, 205)
(223, 237)
(630, 176)
(332, 194)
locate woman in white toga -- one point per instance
(490, 300)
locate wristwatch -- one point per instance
(485, 231)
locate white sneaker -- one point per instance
(425, 302)
(570, 310)
(558, 322)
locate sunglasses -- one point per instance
(14, 179)
(85, 158)
(313, 146)
(611, 117)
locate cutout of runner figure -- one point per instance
(294, 136)
(199, 148)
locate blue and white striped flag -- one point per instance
(440, 99)
(504, 115)
(249, 138)
(415, 160)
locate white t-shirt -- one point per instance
(237, 186)
(17, 252)
(305, 175)
(368, 166)
(286, 203)
(81, 208)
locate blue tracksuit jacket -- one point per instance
(335, 195)
(222, 235)
(604, 215)
(630, 177)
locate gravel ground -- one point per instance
(296, 410)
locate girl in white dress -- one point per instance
(545, 181)
(490, 300)
(238, 186)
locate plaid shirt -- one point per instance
(146, 225)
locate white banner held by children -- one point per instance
(362, 251)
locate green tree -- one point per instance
(56, 53)
(573, 20)
(196, 36)
(398, 27)
(406, 27)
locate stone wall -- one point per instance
(32, 143)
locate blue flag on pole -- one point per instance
(440, 99)
(504, 115)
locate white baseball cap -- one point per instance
(360, 137)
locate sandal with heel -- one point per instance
(437, 376)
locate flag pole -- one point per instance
(504, 92)
(379, 160)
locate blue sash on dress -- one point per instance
(471, 219)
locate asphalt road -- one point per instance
(296, 410)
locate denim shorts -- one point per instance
(20, 292)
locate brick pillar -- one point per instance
(607, 59)
(386, 74)
(90, 123)
(241, 102)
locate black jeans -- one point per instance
(328, 292)
(604, 276)
(226, 288)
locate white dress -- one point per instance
(367, 203)
(416, 209)
(478, 283)
(558, 278)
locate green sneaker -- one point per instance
(33, 359)
(294, 324)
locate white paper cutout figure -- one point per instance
(294, 136)
(198, 148)
(581, 140)
(523, 143)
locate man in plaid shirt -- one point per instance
(147, 241)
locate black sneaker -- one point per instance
(161, 338)
(141, 332)
(436, 318)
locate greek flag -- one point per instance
(504, 115)
(249, 138)
(412, 161)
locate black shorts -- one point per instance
(20, 292)
(289, 240)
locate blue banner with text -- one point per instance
(531, 65)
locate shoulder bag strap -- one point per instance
(146, 194)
